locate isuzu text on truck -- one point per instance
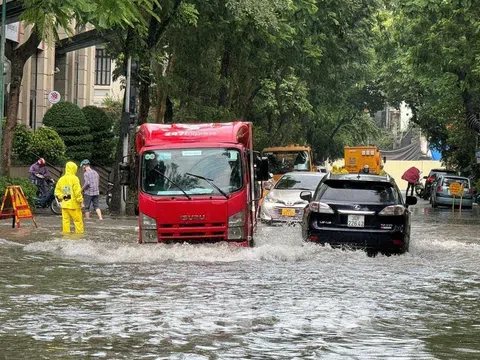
(196, 182)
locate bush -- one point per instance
(46, 143)
(69, 122)
(101, 128)
(29, 189)
(28, 146)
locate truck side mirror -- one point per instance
(124, 173)
(262, 170)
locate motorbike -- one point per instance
(47, 199)
(419, 189)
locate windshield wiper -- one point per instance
(210, 181)
(178, 187)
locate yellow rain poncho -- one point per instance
(69, 192)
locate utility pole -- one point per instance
(123, 204)
(2, 74)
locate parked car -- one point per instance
(432, 178)
(441, 193)
(283, 202)
(358, 211)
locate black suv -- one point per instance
(358, 211)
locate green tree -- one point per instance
(46, 17)
(430, 53)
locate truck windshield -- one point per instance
(222, 167)
(286, 161)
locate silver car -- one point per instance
(441, 192)
(283, 203)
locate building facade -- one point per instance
(83, 77)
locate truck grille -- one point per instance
(202, 232)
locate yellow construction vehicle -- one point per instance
(283, 159)
(356, 157)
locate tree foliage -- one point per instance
(46, 18)
(302, 71)
(429, 52)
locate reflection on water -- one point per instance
(105, 296)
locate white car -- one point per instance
(283, 203)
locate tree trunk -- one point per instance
(470, 116)
(162, 90)
(12, 111)
(18, 58)
(144, 99)
(223, 98)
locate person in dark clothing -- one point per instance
(411, 176)
(39, 175)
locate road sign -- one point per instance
(456, 189)
(15, 205)
(54, 97)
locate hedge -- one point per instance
(101, 128)
(69, 121)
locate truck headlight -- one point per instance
(148, 228)
(236, 226)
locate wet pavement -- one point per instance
(101, 295)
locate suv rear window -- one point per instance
(447, 181)
(437, 172)
(363, 192)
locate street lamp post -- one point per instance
(2, 74)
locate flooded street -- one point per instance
(105, 296)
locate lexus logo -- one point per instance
(288, 202)
(357, 207)
(192, 217)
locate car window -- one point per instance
(358, 192)
(448, 181)
(437, 173)
(298, 182)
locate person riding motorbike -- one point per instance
(39, 175)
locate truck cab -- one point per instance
(196, 183)
(293, 157)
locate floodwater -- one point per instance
(105, 297)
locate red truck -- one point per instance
(197, 182)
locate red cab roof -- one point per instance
(156, 134)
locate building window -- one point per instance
(103, 67)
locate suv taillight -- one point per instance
(394, 210)
(470, 191)
(430, 179)
(439, 188)
(321, 208)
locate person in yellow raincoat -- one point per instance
(69, 192)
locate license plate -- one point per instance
(357, 221)
(288, 212)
